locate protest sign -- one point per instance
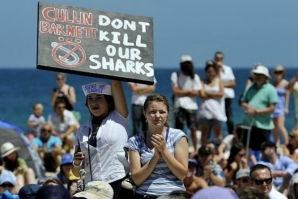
(95, 43)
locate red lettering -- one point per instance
(79, 31)
(60, 30)
(71, 30)
(53, 29)
(45, 13)
(87, 18)
(44, 26)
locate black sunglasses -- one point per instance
(6, 185)
(260, 182)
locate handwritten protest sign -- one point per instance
(95, 43)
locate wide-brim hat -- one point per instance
(261, 70)
(279, 68)
(7, 148)
(96, 190)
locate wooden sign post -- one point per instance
(95, 43)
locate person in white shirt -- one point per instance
(139, 95)
(228, 78)
(186, 86)
(64, 123)
(261, 179)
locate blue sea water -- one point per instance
(21, 88)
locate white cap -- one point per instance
(186, 58)
(262, 70)
(97, 190)
(98, 88)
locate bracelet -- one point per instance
(75, 165)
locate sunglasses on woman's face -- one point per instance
(260, 182)
(278, 72)
(6, 185)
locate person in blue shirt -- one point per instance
(48, 147)
(282, 167)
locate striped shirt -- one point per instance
(161, 181)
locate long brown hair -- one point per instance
(158, 98)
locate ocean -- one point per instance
(21, 88)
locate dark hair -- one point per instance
(180, 194)
(211, 64)
(53, 180)
(11, 165)
(109, 99)
(157, 98)
(52, 192)
(59, 100)
(234, 151)
(218, 53)
(188, 69)
(258, 167)
(251, 193)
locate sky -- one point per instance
(247, 32)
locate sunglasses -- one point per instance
(6, 185)
(244, 180)
(278, 72)
(260, 182)
(59, 78)
(46, 130)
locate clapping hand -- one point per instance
(158, 142)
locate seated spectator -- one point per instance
(248, 192)
(96, 189)
(242, 178)
(29, 191)
(294, 186)
(17, 165)
(235, 162)
(8, 182)
(214, 192)
(261, 179)
(35, 120)
(52, 192)
(64, 124)
(209, 170)
(48, 147)
(193, 183)
(65, 168)
(282, 167)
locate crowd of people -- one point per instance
(99, 160)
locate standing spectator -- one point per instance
(261, 179)
(139, 95)
(212, 108)
(158, 157)
(64, 91)
(293, 87)
(64, 124)
(209, 170)
(282, 106)
(229, 82)
(35, 120)
(282, 167)
(102, 139)
(15, 164)
(258, 102)
(48, 147)
(193, 183)
(242, 178)
(186, 87)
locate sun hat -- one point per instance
(7, 148)
(215, 192)
(52, 192)
(262, 70)
(29, 191)
(96, 190)
(186, 58)
(67, 158)
(98, 88)
(242, 173)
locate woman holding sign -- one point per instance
(100, 147)
(159, 156)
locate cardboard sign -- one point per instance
(95, 43)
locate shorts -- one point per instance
(190, 116)
(210, 122)
(257, 137)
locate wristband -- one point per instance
(75, 165)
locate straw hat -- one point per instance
(7, 148)
(279, 68)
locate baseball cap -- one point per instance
(205, 151)
(215, 192)
(186, 58)
(262, 70)
(29, 191)
(7, 176)
(267, 144)
(96, 190)
(67, 158)
(242, 173)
